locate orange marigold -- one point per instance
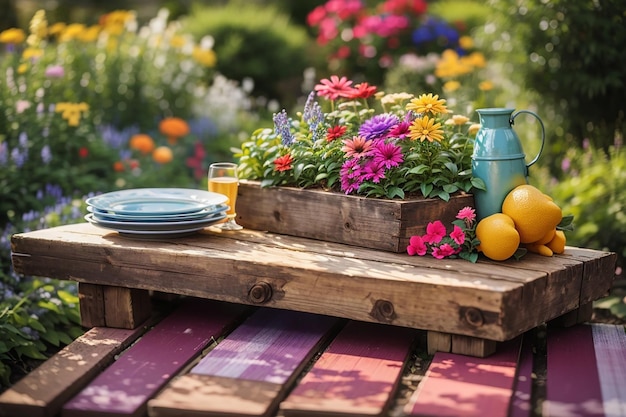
(162, 155)
(142, 143)
(174, 128)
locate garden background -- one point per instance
(99, 96)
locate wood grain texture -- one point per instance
(356, 375)
(126, 308)
(573, 385)
(91, 304)
(125, 387)
(461, 386)
(249, 371)
(44, 390)
(367, 222)
(489, 300)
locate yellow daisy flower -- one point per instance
(428, 103)
(425, 128)
(13, 36)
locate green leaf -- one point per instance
(51, 337)
(426, 189)
(395, 192)
(478, 183)
(30, 351)
(36, 325)
(566, 224)
(67, 297)
(519, 253)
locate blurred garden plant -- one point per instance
(363, 39)
(73, 95)
(403, 146)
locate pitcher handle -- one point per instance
(543, 132)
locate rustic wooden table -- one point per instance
(466, 308)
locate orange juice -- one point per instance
(226, 186)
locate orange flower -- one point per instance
(162, 155)
(174, 128)
(142, 143)
(118, 166)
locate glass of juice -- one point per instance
(223, 180)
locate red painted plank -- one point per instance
(573, 385)
(268, 346)
(521, 405)
(356, 375)
(463, 386)
(610, 346)
(125, 386)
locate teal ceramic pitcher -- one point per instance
(498, 158)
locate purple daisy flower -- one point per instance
(378, 126)
(388, 155)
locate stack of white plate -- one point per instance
(156, 212)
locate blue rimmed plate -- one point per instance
(112, 216)
(156, 201)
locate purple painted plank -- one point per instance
(521, 406)
(356, 375)
(125, 387)
(268, 346)
(463, 386)
(572, 386)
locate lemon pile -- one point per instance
(529, 218)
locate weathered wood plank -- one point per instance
(488, 300)
(572, 386)
(356, 375)
(249, 371)
(125, 387)
(44, 390)
(461, 386)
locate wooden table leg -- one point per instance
(463, 345)
(102, 305)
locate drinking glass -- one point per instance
(223, 179)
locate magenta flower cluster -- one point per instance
(461, 242)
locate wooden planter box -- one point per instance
(367, 222)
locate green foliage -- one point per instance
(564, 52)
(590, 187)
(254, 41)
(37, 315)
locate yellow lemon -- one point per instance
(538, 248)
(534, 213)
(557, 244)
(498, 238)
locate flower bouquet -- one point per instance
(365, 142)
(373, 168)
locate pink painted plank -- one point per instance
(356, 375)
(521, 405)
(573, 385)
(125, 386)
(610, 346)
(269, 346)
(463, 386)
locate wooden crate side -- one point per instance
(334, 217)
(43, 391)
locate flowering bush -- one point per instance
(72, 96)
(411, 146)
(461, 242)
(369, 39)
